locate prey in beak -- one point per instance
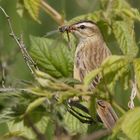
(63, 29)
(67, 29)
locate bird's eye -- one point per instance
(82, 27)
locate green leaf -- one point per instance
(89, 77)
(35, 104)
(123, 9)
(120, 4)
(95, 16)
(130, 14)
(112, 69)
(53, 56)
(115, 68)
(39, 92)
(109, 8)
(124, 34)
(116, 4)
(43, 126)
(33, 7)
(74, 126)
(48, 82)
(129, 124)
(70, 81)
(13, 104)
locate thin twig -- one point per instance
(3, 79)
(134, 91)
(27, 58)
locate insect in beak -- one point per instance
(66, 29)
(61, 29)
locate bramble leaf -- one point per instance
(124, 34)
(129, 124)
(53, 56)
(33, 7)
(112, 69)
(35, 104)
(74, 125)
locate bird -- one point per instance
(91, 49)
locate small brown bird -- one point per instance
(91, 49)
(90, 53)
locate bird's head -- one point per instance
(83, 29)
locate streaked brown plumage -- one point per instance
(90, 53)
(91, 49)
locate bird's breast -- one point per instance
(88, 56)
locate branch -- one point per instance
(134, 92)
(3, 66)
(27, 58)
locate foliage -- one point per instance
(42, 105)
(129, 125)
(53, 56)
(33, 7)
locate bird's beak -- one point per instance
(70, 28)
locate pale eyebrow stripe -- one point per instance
(86, 24)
